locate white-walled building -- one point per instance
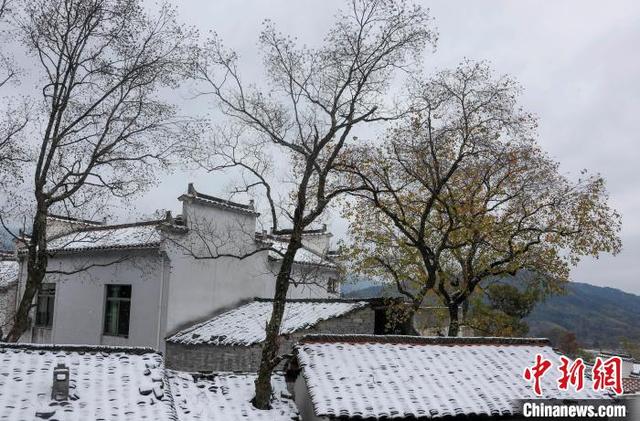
(136, 284)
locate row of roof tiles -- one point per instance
(351, 376)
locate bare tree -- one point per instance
(307, 114)
(14, 118)
(102, 127)
(461, 193)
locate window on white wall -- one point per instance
(332, 285)
(117, 310)
(44, 305)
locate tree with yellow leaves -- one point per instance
(460, 193)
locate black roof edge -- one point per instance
(73, 219)
(324, 300)
(422, 340)
(79, 348)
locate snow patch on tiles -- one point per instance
(8, 272)
(303, 255)
(104, 384)
(245, 325)
(117, 237)
(226, 396)
(396, 380)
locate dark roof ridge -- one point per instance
(223, 201)
(117, 226)
(318, 300)
(79, 348)
(422, 340)
(287, 231)
(73, 219)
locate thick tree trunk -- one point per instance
(269, 359)
(37, 260)
(454, 323)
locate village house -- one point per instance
(409, 377)
(135, 284)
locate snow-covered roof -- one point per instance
(105, 383)
(8, 273)
(303, 256)
(227, 396)
(245, 325)
(395, 376)
(139, 235)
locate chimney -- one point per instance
(104, 220)
(60, 390)
(324, 227)
(191, 190)
(251, 203)
(168, 217)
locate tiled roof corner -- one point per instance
(631, 385)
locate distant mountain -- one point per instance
(599, 316)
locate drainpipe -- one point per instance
(161, 299)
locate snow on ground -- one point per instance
(245, 325)
(396, 377)
(226, 396)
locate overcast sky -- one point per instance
(577, 60)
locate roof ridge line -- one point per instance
(421, 340)
(317, 300)
(80, 348)
(117, 226)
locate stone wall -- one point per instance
(247, 358)
(7, 307)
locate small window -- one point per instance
(117, 310)
(332, 285)
(44, 306)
